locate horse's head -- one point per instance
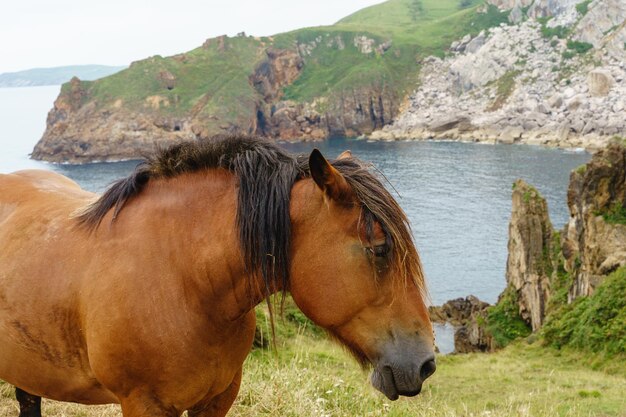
(356, 273)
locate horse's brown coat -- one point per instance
(155, 310)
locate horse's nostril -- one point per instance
(428, 368)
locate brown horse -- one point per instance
(145, 296)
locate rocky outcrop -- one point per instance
(108, 136)
(544, 264)
(591, 246)
(594, 243)
(467, 315)
(600, 82)
(608, 19)
(529, 266)
(458, 311)
(523, 78)
(281, 68)
(473, 337)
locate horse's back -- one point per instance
(23, 185)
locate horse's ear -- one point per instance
(345, 154)
(328, 178)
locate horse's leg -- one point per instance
(218, 406)
(30, 405)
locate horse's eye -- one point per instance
(379, 251)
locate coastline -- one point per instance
(539, 137)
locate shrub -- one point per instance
(579, 47)
(504, 88)
(560, 32)
(504, 322)
(583, 7)
(616, 214)
(596, 323)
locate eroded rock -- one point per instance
(600, 82)
(529, 265)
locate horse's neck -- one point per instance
(192, 218)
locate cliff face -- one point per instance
(529, 266)
(554, 76)
(78, 131)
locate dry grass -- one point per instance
(312, 377)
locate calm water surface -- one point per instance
(457, 196)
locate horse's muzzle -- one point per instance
(394, 379)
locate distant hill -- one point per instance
(55, 75)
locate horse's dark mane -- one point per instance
(266, 174)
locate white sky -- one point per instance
(48, 33)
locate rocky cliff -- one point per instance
(554, 75)
(89, 123)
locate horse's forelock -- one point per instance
(379, 206)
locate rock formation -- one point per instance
(458, 311)
(591, 246)
(529, 266)
(534, 82)
(467, 315)
(473, 337)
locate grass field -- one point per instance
(311, 376)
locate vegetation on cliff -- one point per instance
(594, 324)
(504, 322)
